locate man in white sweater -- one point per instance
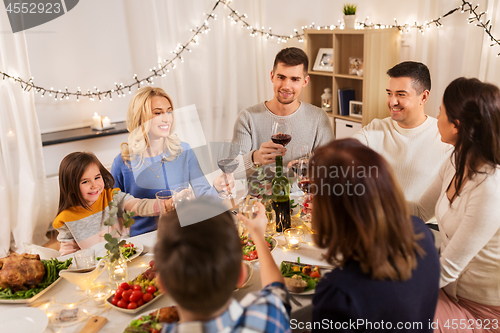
(309, 124)
(409, 139)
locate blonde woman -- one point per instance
(154, 158)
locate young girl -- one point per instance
(86, 188)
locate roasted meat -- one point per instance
(21, 271)
(167, 315)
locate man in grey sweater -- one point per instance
(309, 124)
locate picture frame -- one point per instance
(324, 60)
(356, 109)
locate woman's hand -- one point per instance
(257, 225)
(168, 205)
(224, 182)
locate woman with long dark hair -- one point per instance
(465, 197)
(388, 267)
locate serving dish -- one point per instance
(33, 298)
(274, 244)
(145, 276)
(128, 328)
(321, 269)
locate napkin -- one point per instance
(44, 252)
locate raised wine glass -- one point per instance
(304, 183)
(299, 151)
(281, 134)
(228, 160)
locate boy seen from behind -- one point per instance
(200, 265)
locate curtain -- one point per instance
(22, 177)
(226, 72)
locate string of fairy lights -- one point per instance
(164, 67)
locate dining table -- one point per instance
(66, 294)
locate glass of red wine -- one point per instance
(281, 134)
(228, 160)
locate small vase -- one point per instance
(117, 271)
(349, 21)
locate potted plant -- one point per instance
(116, 263)
(349, 11)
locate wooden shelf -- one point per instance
(379, 49)
(321, 73)
(349, 76)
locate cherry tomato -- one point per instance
(122, 304)
(151, 289)
(315, 274)
(140, 302)
(131, 245)
(115, 300)
(119, 292)
(253, 255)
(126, 295)
(245, 257)
(124, 286)
(147, 297)
(132, 305)
(136, 295)
(137, 287)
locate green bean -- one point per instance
(52, 268)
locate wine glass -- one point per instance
(299, 150)
(304, 183)
(228, 160)
(281, 134)
(182, 194)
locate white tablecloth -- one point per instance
(65, 292)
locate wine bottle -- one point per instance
(281, 192)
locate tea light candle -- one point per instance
(106, 122)
(99, 293)
(100, 297)
(96, 120)
(293, 237)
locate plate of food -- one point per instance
(301, 279)
(135, 295)
(250, 250)
(152, 321)
(24, 277)
(130, 250)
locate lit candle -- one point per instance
(96, 120)
(293, 243)
(106, 122)
(100, 297)
(293, 237)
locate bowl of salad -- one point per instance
(250, 249)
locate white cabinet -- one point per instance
(345, 128)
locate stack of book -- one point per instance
(344, 97)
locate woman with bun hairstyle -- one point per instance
(387, 267)
(465, 197)
(154, 158)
